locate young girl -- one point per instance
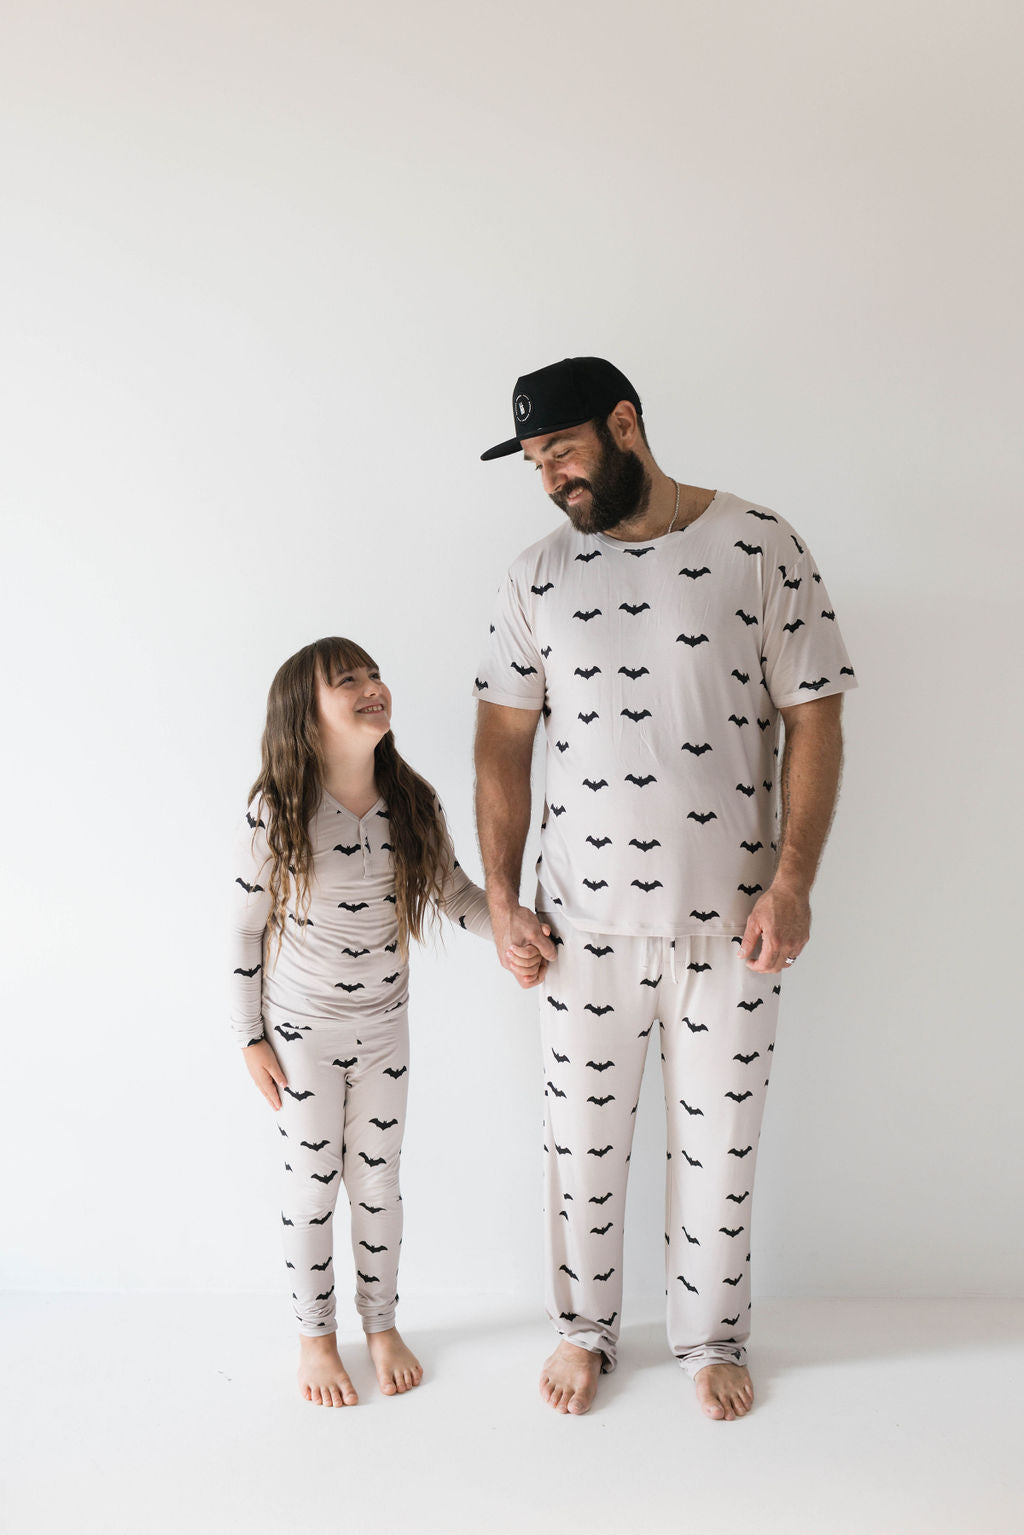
(344, 855)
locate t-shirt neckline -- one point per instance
(661, 539)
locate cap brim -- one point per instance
(503, 449)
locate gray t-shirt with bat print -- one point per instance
(661, 667)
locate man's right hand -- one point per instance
(515, 927)
(265, 1070)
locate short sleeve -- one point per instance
(512, 669)
(804, 653)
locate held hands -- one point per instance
(265, 1070)
(523, 943)
(781, 921)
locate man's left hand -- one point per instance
(781, 923)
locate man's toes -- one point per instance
(714, 1408)
(388, 1386)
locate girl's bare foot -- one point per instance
(568, 1380)
(724, 1390)
(322, 1376)
(397, 1367)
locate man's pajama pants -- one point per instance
(603, 998)
(342, 1116)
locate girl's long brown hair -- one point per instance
(290, 787)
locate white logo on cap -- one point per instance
(523, 406)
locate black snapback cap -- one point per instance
(564, 394)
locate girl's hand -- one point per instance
(265, 1070)
(527, 963)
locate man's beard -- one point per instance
(619, 490)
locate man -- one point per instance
(662, 632)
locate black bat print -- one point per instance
(555, 1090)
(796, 541)
(600, 1065)
(689, 1238)
(636, 715)
(372, 1209)
(368, 1278)
(698, 751)
(561, 1007)
(708, 815)
(633, 674)
(733, 1281)
(696, 1028)
(386, 847)
(389, 948)
(752, 847)
(524, 671)
(318, 1268)
(589, 1007)
(695, 575)
(321, 1220)
(563, 746)
(383, 814)
(300, 1096)
(593, 554)
(562, 1060)
(602, 1151)
(692, 1160)
(546, 651)
(828, 613)
(694, 965)
(745, 788)
(287, 1167)
(793, 585)
(588, 718)
(748, 548)
(349, 986)
(373, 1161)
(741, 676)
(647, 885)
(738, 719)
(253, 823)
(557, 810)
(735, 1151)
(389, 980)
(608, 1098)
(565, 1269)
(325, 1177)
(689, 1110)
(766, 783)
(748, 618)
(641, 783)
(602, 783)
(636, 553)
(389, 1071)
(480, 685)
(603, 1277)
(599, 1199)
(693, 639)
(797, 623)
(353, 906)
(739, 1097)
(704, 916)
(599, 842)
(568, 1316)
(563, 1151)
(813, 687)
(355, 953)
(283, 1131)
(340, 847)
(591, 671)
(252, 889)
(601, 952)
(764, 516)
(249, 973)
(595, 884)
(606, 1321)
(751, 1007)
(729, 1321)
(746, 1059)
(689, 1286)
(845, 671)
(352, 1060)
(285, 1221)
(633, 609)
(383, 1124)
(301, 921)
(599, 1231)
(370, 1248)
(750, 889)
(586, 617)
(314, 1145)
(539, 591)
(738, 1199)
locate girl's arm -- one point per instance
(250, 907)
(464, 902)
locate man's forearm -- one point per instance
(503, 821)
(811, 763)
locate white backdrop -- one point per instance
(269, 272)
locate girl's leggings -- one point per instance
(603, 1000)
(341, 1120)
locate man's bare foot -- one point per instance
(322, 1376)
(568, 1380)
(397, 1367)
(724, 1391)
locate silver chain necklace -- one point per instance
(675, 514)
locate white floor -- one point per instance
(179, 1413)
